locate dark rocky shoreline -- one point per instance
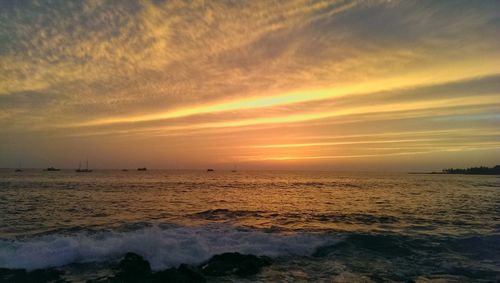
(134, 268)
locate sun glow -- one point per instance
(257, 102)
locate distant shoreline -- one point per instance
(482, 170)
(441, 173)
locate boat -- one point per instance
(19, 168)
(81, 170)
(52, 169)
(142, 169)
(210, 170)
(124, 170)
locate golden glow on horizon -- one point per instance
(298, 158)
(387, 108)
(301, 96)
(340, 143)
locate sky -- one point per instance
(292, 85)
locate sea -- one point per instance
(315, 226)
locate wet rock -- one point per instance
(36, 276)
(183, 274)
(103, 279)
(133, 268)
(46, 275)
(7, 274)
(234, 264)
(11, 275)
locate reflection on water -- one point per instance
(342, 225)
(39, 202)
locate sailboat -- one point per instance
(86, 170)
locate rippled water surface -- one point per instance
(317, 226)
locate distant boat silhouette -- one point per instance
(19, 168)
(210, 170)
(124, 170)
(142, 169)
(234, 169)
(52, 169)
(86, 170)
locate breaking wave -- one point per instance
(162, 247)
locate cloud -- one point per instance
(304, 107)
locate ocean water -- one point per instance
(316, 226)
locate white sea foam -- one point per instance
(162, 247)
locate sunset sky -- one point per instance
(294, 84)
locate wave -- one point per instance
(353, 218)
(163, 247)
(222, 214)
(479, 247)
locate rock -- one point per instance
(234, 264)
(133, 268)
(6, 273)
(46, 275)
(36, 276)
(183, 274)
(103, 279)
(12, 275)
